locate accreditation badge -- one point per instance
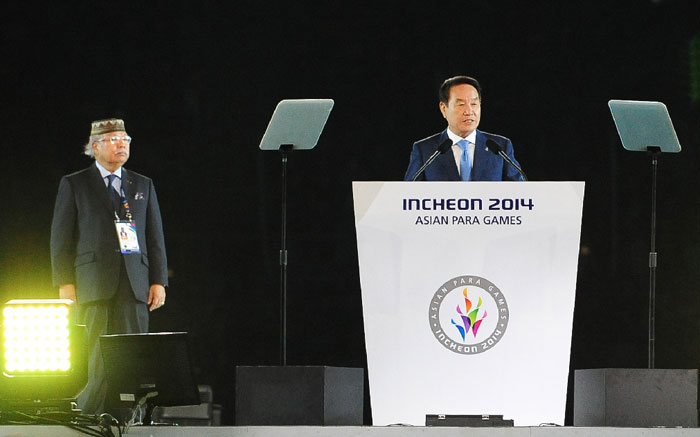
(126, 233)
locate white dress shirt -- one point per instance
(457, 151)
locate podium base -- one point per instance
(299, 395)
(636, 397)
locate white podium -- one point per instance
(468, 297)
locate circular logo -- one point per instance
(468, 315)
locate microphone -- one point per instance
(496, 149)
(442, 148)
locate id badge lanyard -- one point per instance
(126, 229)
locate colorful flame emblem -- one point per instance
(469, 317)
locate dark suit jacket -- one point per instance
(84, 245)
(487, 166)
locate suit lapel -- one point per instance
(99, 189)
(447, 161)
(481, 156)
(128, 185)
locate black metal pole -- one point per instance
(285, 149)
(654, 151)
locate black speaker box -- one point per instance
(299, 395)
(636, 397)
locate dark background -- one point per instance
(196, 83)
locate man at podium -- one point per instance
(463, 153)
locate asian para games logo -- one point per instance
(468, 315)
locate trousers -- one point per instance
(122, 314)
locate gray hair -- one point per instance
(87, 148)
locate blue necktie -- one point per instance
(465, 164)
(115, 197)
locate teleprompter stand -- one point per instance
(296, 395)
(647, 127)
(639, 397)
(295, 125)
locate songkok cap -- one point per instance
(100, 127)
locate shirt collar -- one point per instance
(104, 172)
(455, 138)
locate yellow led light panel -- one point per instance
(35, 337)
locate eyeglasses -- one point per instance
(115, 140)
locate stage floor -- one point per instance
(357, 431)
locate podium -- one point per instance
(468, 295)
